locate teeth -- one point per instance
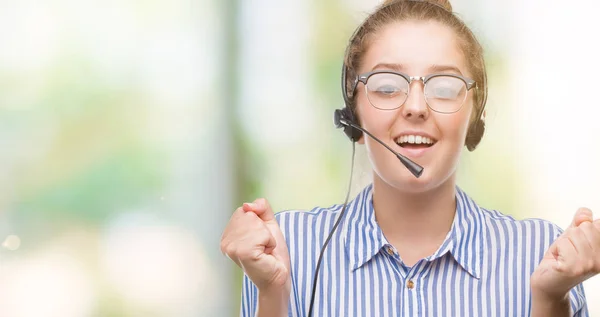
(414, 139)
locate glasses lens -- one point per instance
(387, 91)
(445, 93)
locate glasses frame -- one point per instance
(364, 78)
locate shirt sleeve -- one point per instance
(249, 298)
(578, 302)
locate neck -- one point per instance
(415, 219)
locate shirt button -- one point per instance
(390, 251)
(410, 284)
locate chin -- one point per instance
(406, 182)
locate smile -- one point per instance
(414, 141)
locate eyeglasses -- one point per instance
(388, 90)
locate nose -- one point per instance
(415, 107)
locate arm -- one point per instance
(544, 306)
(253, 240)
(574, 304)
(273, 303)
(574, 257)
(265, 303)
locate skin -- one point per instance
(253, 240)
(425, 48)
(428, 202)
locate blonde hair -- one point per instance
(425, 10)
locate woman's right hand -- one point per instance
(254, 241)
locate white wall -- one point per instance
(554, 78)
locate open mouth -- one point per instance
(414, 141)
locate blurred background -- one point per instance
(131, 130)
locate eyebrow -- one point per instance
(445, 68)
(432, 69)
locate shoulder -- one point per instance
(522, 240)
(504, 229)
(315, 222)
(308, 215)
(505, 233)
(499, 223)
(314, 225)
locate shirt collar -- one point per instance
(364, 238)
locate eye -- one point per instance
(445, 88)
(387, 90)
(445, 92)
(386, 85)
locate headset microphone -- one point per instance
(340, 121)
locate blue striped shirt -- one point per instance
(481, 269)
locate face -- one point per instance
(416, 49)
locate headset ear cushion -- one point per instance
(352, 133)
(474, 135)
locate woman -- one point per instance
(412, 246)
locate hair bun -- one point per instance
(442, 3)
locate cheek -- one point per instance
(455, 126)
(377, 122)
(372, 119)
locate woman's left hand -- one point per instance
(573, 258)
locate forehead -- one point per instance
(416, 45)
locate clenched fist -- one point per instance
(253, 240)
(573, 258)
